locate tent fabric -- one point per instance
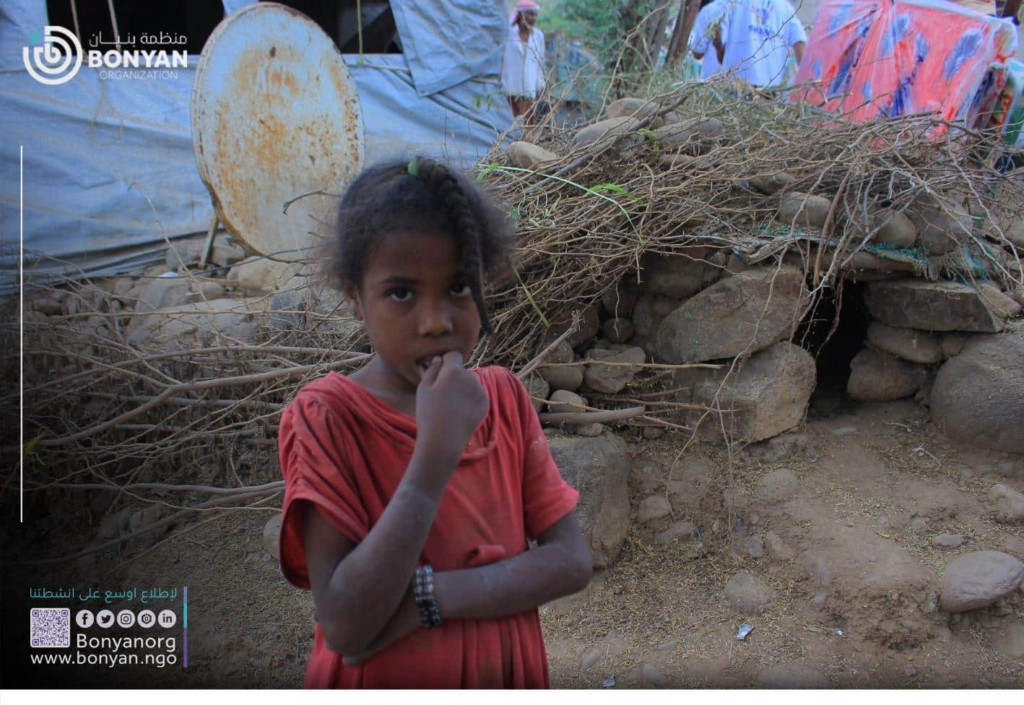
(109, 168)
(448, 42)
(18, 20)
(885, 58)
(459, 124)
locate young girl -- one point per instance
(413, 485)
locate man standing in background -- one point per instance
(708, 19)
(755, 37)
(522, 73)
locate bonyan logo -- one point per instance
(49, 59)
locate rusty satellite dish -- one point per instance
(275, 116)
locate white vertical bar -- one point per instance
(21, 334)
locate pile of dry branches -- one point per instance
(586, 220)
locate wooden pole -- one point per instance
(681, 36)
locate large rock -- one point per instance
(976, 580)
(569, 377)
(1009, 504)
(599, 468)
(941, 226)
(954, 343)
(615, 133)
(653, 508)
(618, 330)
(897, 230)
(767, 394)
(529, 156)
(878, 376)
(804, 209)
(168, 291)
(1003, 305)
(262, 276)
(650, 311)
(590, 326)
(679, 276)
(308, 304)
(934, 306)
(747, 594)
(220, 322)
(906, 343)
(539, 390)
(741, 314)
(978, 396)
(620, 299)
(772, 183)
(692, 136)
(612, 379)
(565, 402)
(631, 107)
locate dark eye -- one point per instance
(461, 289)
(400, 294)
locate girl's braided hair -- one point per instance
(420, 196)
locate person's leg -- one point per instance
(529, 117)
(515, 102)
(520, 106)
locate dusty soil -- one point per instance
(876, 484)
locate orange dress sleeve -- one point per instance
(316, 469)
(547, 497)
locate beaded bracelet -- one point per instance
(423, 592)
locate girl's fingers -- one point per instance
(430, 376)
(453, 360)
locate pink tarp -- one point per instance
(885, 58)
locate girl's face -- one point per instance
(415, 304)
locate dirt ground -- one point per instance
(876, 484)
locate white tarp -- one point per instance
(447, 42)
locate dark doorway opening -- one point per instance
(834, 332)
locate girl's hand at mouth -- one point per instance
(450, 404)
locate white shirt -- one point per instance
(757, 36)
(522, 71)
(704, 35)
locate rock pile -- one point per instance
(695, 298)
(954, 343)
(691, 308)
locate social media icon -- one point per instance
(125, 619)
(84, 619)
(167, 619)
(105, 618)
(147, 618)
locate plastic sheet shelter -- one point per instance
(109, 171)
(885, 58)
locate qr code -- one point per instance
(50, 628)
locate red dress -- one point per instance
(346, 450)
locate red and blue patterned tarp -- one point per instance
(873, 59)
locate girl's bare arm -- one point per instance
(559, 566)
(358, 588)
